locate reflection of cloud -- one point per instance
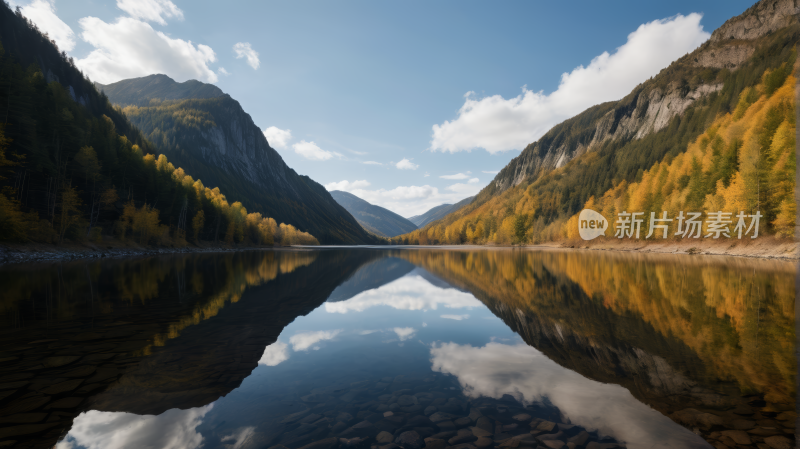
(406, 293)
(527, 374)
(240, 437)
(274, 354)
(455, 317)
(404, 333)
(305, 340)
(173, 429)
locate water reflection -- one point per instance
(476, 348)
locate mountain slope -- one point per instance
(373, 218)
(208, 134)
(438, 212)
(610, 147)
(73, 168)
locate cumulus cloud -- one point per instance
(474, 181)
(312, 151)
(118, 430)
(491, 172)
(278, 138)
(130, 48)
(347, 185)
(528, 375)
(406, 164)
(222, 71)
(151, 10)
(371, 163)
(275, 354)
(43, 14)
(456, 176)
(498, 124)
(408, 200)
(404, 333)
(406, 293)
(244, 50)
(455, 317)
(305, 340)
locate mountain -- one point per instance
(208, 134)
(713, 131)
(438, 212)
(375, 219)
(74, 168)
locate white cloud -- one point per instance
(498, 124)
(360, 153)
(408, 201)
(241, 437)
(426, 175)
(222, 71)
(465, 190)
(244, 50)
(455, 317)
(275, 354)
(117, 430)
(347, 185)
(528, 375)
(404, 333)
(491, 172)
(456, 176)
(311, 151)
(474, 181)
(278, 138)
(130, 48)
(151, 10)
(305, 340)
(406, 293)
(406, 164)
(371, 163)
(43, 14)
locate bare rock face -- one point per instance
(762, 18)
(724, 56)
(648, 113)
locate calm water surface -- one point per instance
(414, 348)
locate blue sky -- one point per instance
(371, 97)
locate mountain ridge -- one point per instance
(375, 219)
(438, 212)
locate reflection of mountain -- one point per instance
(370, 276)
(150, 335)
(694, 338)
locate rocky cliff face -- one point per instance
(653, 104)
(649, 112)
(210, 136)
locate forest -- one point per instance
(732, 151)
(73, 168)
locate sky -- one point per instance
(406, 104)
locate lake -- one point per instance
(399, 348)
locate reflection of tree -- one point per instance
(716, 320)
(64, 291)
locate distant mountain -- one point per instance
(207, 133)
(375, 219)
(438, 212)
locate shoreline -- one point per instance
(767, 247)
(11, 254)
